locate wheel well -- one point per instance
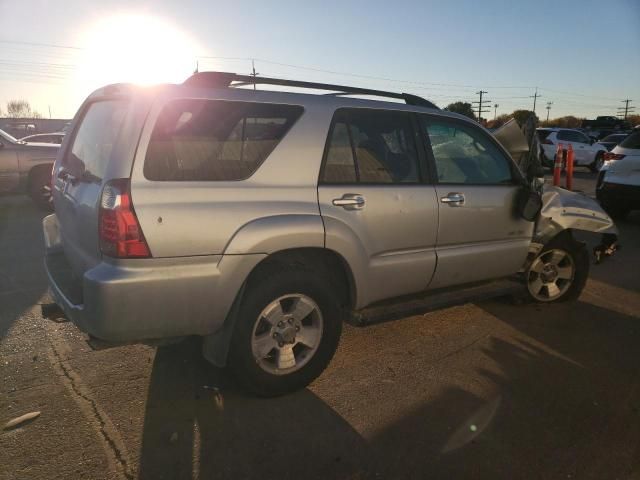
(322, 260)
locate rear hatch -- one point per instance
(101, 147)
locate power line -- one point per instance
(45, 45)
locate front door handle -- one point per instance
(454, 199)
(350, 201)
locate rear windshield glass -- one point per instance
(95, 138)
(632, 141)
(205, 140)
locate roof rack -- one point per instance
(226, 79)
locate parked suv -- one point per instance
(261, 220)
(588, 153)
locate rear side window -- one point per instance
(632, 141)
(572, 136)
(209, 140)
(464, 155)
(94, 140)
(371, 146)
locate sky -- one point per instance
(584, 56)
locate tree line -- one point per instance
(19, 109)
(568, 121)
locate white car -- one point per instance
(618, 186)
(588, 153)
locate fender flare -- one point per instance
(279, 232)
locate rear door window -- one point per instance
(371, 146)
(215, 140)
(94, 140)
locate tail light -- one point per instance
(613, 156)
(119, 229)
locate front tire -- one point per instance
(287, 330)
(559, 272)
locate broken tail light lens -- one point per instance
(613, 156)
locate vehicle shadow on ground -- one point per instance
(566, 404)
(189, 431)
(22, 276)
(563, 401)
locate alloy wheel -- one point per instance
(287, 334)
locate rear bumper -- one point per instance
(619, 194)
(146, 299)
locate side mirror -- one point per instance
(529, 204)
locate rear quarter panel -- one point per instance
(185, 218)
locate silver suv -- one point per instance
(261, 220)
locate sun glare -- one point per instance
(137, 49)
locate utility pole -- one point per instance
(481, 104)
(49, 111)
(196, 70)
(624, 111)
(495, 111)
(253, 73)
(535, 96)
(548, 109)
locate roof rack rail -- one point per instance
(226, 79)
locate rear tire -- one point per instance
(559, 272)
(269, 359)
(597, 164)
(39, 188)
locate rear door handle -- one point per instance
(350, 201)
(454, 199)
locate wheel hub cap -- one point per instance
(550, 275)
(287, 334)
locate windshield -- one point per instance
(8, 137)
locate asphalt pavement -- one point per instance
(488, 390)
